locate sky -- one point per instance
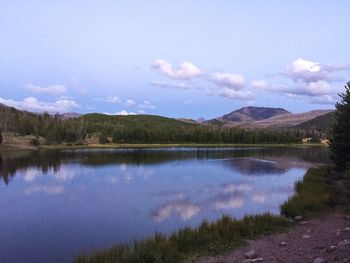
(178, 58)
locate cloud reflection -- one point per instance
(185, 209)
(48, 189)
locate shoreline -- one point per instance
(15, 147)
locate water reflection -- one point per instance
(90, 199)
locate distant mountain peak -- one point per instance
(252, 113)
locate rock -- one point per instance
(305, 236)
(346, 259)
(319, 260)
(347, 229)
(344, 243)
(298, 218)
(250, 254)
(283, 244)
(253, 260)
(338, 233)
(332, 248)
(303, 222)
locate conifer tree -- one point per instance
(340, 140)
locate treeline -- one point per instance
(130, 129)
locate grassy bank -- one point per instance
(314, 194)
(173, 145)
(186, 244)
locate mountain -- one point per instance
(250, 114)
(70, 115)
(285, 120)
(322, 123)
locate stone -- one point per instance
(319, 260)
(298, 218)
(347, 229)
(344, 243)
(332, 248)
(305, 236)
(283, 244)
(253, 260)
(250, 254)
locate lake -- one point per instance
(59, 204)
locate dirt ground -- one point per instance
(323, 239)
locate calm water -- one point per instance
(58, 204)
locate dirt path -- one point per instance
(324, 239)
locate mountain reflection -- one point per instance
(245, 160)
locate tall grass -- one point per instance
(187, 243)
(312, 194)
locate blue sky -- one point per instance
(174, 58)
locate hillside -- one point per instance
(100, 128)
(249, 114)
(283, 121)
(322, 123)
(146, 121)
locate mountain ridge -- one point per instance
(252, 113)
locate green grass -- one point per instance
(313, 194)
(188, 244)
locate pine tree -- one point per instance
(340, 140)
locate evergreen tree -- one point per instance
(340, 141)
(103, 139)
(0, 137)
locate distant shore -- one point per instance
(18, 147)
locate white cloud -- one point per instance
(324, 99)
(129, 103)
(229, 80)
(309, 71)
(52, 89)
(171, 85)
(259, 84)
(33, 104)
(237, 94)
(124, 113)
(186, 70)
(147, 104)
(113, 99)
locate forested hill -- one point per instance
(94, 128)
(323, 123)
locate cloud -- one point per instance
(51, 90)
(124, 113)
(186, 70)
(259, 84)
(113, 99)
(324, 99)
(33, 104)
(237, 94)
(147, 104)
(309, 71)
(171, 85)
(229, 80)
(129, 103)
